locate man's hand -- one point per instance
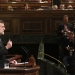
(68, 47)
(9, 44)
(13, 62)
(62, 31)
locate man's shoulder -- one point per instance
(69, 23)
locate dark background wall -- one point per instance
(32, 49)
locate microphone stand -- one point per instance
(26, 53)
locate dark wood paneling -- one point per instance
(34, 22)
(8, 25)
(21, 4)
(33, 25)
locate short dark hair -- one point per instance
(65, 16)
(1, 21)
(25, 4)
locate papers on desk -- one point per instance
(22, 63)
(10, 68)
(7, 67)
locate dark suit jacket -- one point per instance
(60, 28)
(3, 51)
(71, 44)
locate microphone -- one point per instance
(27, 52)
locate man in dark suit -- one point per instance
(63, 30)
(3, 49)
(68, 46)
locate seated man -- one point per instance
(69, 7)
(62, 7)
(10, 8)
(55, 7)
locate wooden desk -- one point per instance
(20, 71)
(14, 57)
(21, 4)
